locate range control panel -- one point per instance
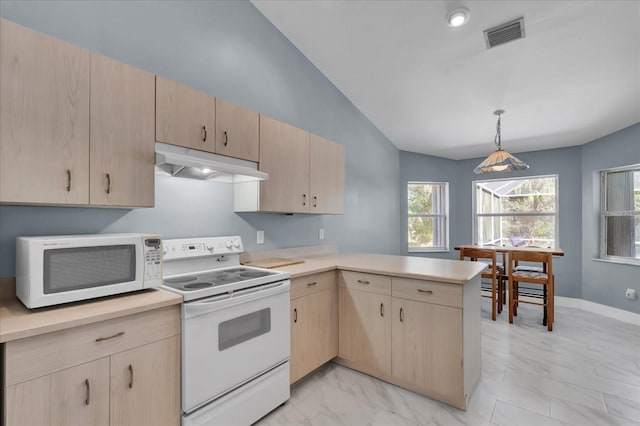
(200, 247)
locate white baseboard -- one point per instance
(604, 310)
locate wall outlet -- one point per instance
(321, 234)
(260, 237)
(630, 294)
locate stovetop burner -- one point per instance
(214, 278)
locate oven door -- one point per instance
(230, 339)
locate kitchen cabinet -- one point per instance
(419, 334)
(44, 118)
(314, 322)
(122, 154)
(364, 322)
(306, 173)
(326, 176)
(427, 347)
(237, 131)
(121, 371)
(185, 116)
(76, 128)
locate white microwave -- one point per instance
(60, 269)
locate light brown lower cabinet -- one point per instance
(313, 323)
(120, 374)
(421, 335)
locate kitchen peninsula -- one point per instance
(411, 321)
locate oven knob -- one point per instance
(209, 247)
(165, 250)
(236, 243)
(228, 244)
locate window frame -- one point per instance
(603, 256)
(444, 215)
(555, 214)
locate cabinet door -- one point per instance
(237, 131)
(80, 395)
(184, 116)
(145, 384)
(122, 134)
(427, 347)
(74, 396)
(284, 154)
(29, 403)
(326, 176)
(312, 335)
(365, 330)
(44, 118)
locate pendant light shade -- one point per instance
(499, 160)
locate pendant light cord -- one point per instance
(497, 140)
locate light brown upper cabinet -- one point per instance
(284, 154)
(44, 118)
(75, 127)
(185, 116)
(306, 173)
(237, 131)
(122, 130)
(326, 176)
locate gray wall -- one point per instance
(606, 282)
(577, 273)
(227, 49)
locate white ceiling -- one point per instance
(432, 89)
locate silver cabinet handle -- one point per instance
(130, 376)
(382, 310)
(315, 201)
(401, 315)
(101, 339)
(68, 180)
(295, 315)
(88, 398)
(108, 183)
(312, 284)
(226, 138)
(204, 130)
(425, 291)
(304, 199)
(364, 282)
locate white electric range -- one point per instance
(235, 331)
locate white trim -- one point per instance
(597, 308)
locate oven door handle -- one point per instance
(216, 303)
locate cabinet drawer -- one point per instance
(427, 291)
(310, 284)
(39, 355)
(380, 284)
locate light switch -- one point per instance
(321, 234)
(260, 237)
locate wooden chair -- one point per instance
(492, 272)
(541, 275)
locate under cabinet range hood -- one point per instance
(193, 164)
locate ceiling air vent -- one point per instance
(504, 33)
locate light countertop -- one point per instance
(442, 270)
(17, 322)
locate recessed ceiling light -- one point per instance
(458, 17)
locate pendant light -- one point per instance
(500, 160)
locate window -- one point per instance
(620, 214)
(516, 212)
(427, 211)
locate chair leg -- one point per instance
(551, 304)
(545, 300)
(493, 298)
(510, 302)
(514, 287)
(500, 295)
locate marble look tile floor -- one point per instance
(585, 372)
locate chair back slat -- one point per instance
(477, 253)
